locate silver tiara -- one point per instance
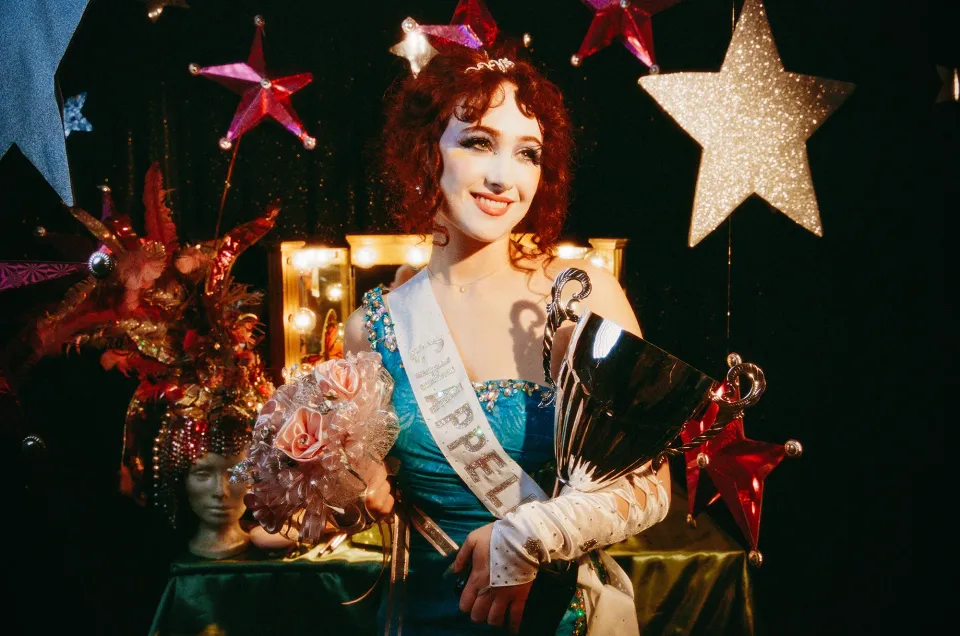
(499, 65)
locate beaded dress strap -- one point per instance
(374, 312)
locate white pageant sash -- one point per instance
(454, 415)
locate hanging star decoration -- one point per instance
(736, 467)
(950, 92)
(628, 21)
(472, 26)
(753, 119)
(73, 119)
(35, 36)
(261, 95)
(155, 7)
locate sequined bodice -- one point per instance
(523, 428)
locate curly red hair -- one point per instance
(419, 111)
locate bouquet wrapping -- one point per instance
(316, 444)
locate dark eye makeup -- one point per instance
(481, 142)
(476, 141)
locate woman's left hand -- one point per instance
(379, 494)
(493, 605)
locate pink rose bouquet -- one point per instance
(316, 443)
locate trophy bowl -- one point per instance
(622, 401)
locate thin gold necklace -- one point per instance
(461, 286)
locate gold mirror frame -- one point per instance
(298, 270)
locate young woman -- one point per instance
(476, 149)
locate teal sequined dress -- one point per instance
(525, 431)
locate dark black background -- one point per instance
(852, 329)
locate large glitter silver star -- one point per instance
(753, 120)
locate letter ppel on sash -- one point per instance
(493, 492)
(484, 464)
(462, 411)
(440, 399)
(474, 441)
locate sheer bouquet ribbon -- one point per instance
(316, 444)
(408, 514)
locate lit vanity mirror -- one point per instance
(314, 288)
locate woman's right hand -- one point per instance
(379, 499)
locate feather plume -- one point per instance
(157, 216)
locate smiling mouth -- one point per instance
(492, 205)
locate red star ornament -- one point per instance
(626, 20)
(472, 26)
(261, 96)
(477, 17)
(737, 468)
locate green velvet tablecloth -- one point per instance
(686, 580)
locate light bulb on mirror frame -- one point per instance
(569, 251)
(416, 256)
(304, 320)
(301, 260)
(334, 292)
(312, 258)
(365, 257)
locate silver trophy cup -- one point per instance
(621, 401)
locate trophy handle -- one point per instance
(729, 409)
(557, 313)
(758, 384)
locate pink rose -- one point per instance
(341, 375)
(300, 438)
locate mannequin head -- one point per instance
(212, 497)
(193, 458)
(217, 505)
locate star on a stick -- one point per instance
(262, 96)
(753, 119)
